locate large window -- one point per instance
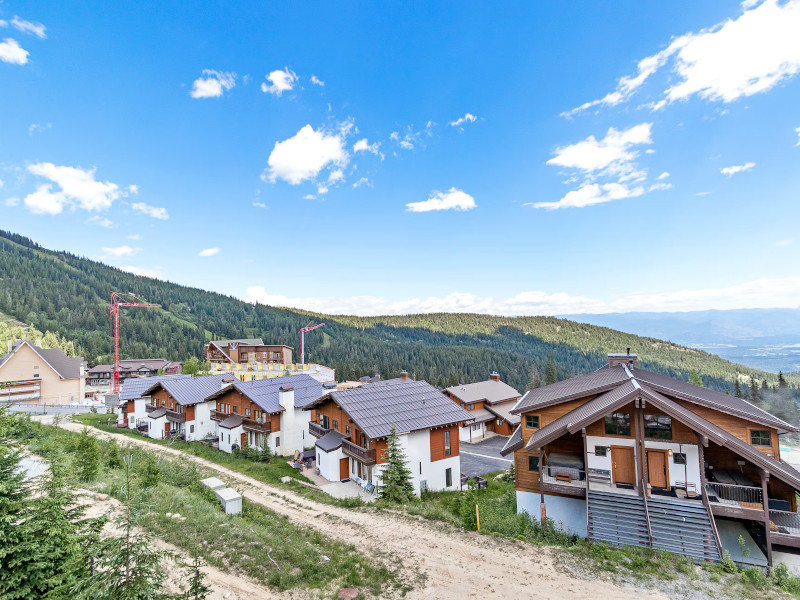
(658, 427)
(447, 449)
(533, 463)
(618, 424)
(531, 421)
(760, 437)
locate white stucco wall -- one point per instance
(477, 433)
(328, 463)
(228, 437)
(417, 448)
(156, 429)
(568, 514)
(203, 425)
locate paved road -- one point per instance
(483, 457)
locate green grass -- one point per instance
(259, 543)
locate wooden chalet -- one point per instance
(627, 456)
(489, 403)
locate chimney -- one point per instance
(403, 375)
(494, 376)
(286, 397)
(627, 359)
(226, 381)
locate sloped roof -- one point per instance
(134, 364)
(490, 391)
(135, 387)
(232, 421)
(581, 386)
(265, 392)
(514, 443)
(65, 366)
(189, 390)
(409, 406)
(481, 415)
(503, 411)
(330, 441)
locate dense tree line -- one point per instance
(69, 295)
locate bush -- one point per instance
(149, 473)
(88, 452)
(727, 564)
(755, 577)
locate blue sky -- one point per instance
(548, 158)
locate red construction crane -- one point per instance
(118, 300)
(310, 327)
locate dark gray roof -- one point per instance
(503, 411)
(330, 441)
(134, 387)
(232, 421)
(480, 415)
(157, 413)
(65, 366)
(514, 442)
(409, 406)
(111, 400)
(264, 392)
(490, 391)
(189, 390)
(243, 342)
(570, 389)
(152, 364)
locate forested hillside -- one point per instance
(69, 295)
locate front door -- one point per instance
(657, 473)
(344, 472)
(242, 440)
(622, 465)
(166, 427)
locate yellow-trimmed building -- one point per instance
(30, 374)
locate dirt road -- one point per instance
(454, 564)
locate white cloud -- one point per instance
(733, 59)
(134, 236)
(317, 81)
(3, 23)
(11, 202)
(733, 170)
(797, 131)
(591, 193)
(38, 128)
(702, 193)
(143, 271)
(259, 204)
(102, 222)
(783, 243)
(322, 189)
(209, 252)
(336, 176)
(614, 149)
(213, 84)
(452, 199)
(24, 26)
(467, 118)
(363, 145)
(362, 181)
(1, 183)
(121, 251)
(664, 175)
(280, 81)
(658, 187)
(303, 156)
(78, 188)
(761, 293)
(408, 140)
(12, 52)
(151, 211)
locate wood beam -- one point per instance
(765, 501)
(586, 475)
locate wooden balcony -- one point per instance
(218, 416)
(737, 501)
(367, 457)
(317, 430)
(560, 480)
(251, 425)
(176, 417)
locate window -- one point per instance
(191, 428)
(499, 421)
(336, 425)
(347, 430)
(476, 427)
(760, 437)
(172, 404)
(278, 441)
(247, 412)
(447, 449)
(236, 410)
(531, 421)
(679, 458)
(533, 463)
(658, 427)
(470, 407)
(448, 477)
(618, 424)
(600, 450)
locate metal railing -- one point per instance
(785, 521)
(562, 476)
(317, 430)
(361, 454)
(735, 495)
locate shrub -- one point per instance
(149, 473)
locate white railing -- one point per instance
(735, 495)
(562, 476)
(785, 521)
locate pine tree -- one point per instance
(695, 379)
(534, 379)
(88, 451)
(764, 385)
(550, 372)
(113, 458)
(127, 566)
(396, 477)
(782, 383)
(737, 389)
(198, 590)
(754, 395)
(149, 473)
(14, 492)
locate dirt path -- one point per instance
(455, 564)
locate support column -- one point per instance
(765, 501)
(586, 475)
(542, 505)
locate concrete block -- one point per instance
(213, 483)
(231, 500)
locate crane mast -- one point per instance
(310, 327)
(118, 300)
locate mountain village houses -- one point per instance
(489, 404)
(353, 425)
(252, 360)
(102, 376)
(627, 456)
(30, 374)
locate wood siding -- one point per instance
(234, 398)
(437, 443)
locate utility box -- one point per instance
(231, 500)
(213, 484)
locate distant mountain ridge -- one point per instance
(761, 338)
(68, 294)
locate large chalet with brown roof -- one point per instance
(245, 351)
(353, 426)
(628, 456)
(489, 403)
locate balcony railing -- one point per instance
(368, 457)
(218, 416)
(317, 430)
(562, 476)
(173, 416)
(251, 425)
(785, 522)
(740, 496)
